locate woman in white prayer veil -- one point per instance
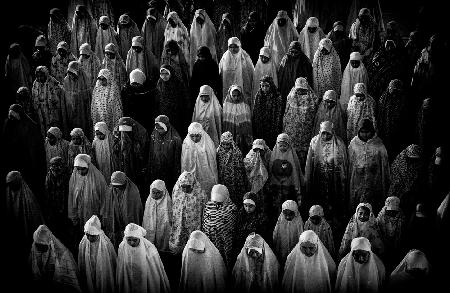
(198, 155)
(97, 259)
(256, 268)
(139, 267)
(203, 269)
(265, 66)
(203, 33)
(309, 267)
(355, 72)
(208, 112)
(360, 270)
(175, 30)
(102, 150)
(310, 37)
(236, 67)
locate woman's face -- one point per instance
(264, 59)
(77, 140)
(253, 253)
(72, 75)
(281, 22)
(196, 137)
(391, 213)
(365, 134)
(159, 128)
(249, 208)
(235, 95)
(99, 135)
(205, 98)
(233, 48)
(301, 91)
(92, 238)
(312, 30)
(62, 52)
(265, 87)
(103, 80)
(308, 248)
(200, 20)
(355, 63)
(363, 214)
(226, 145)
(133, 241)
(165, 76)
(157, 194)
(186, 188)
(104, 26)
(172, 23)
(40, 77)
(315, 220)
(325, 51)
(283, 146)
(137, 49)
(82, 170)
(288, 215)
(326, 136)
(85, 56)
(51, 138)
(330, 104)
(41, 247)
(361, 256)
(110, 55)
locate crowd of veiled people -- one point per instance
(208, 160)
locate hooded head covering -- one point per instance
(137, 76)
(310, 41)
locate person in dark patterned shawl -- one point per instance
(164, 157)
(293, 65)
(230, 167)
(55, 197)
(219, 220)
(174, 56)
(226, 31)
(205, 72)
(391, 121)
(79, 144)
(60, 60)
(250, 219)
(126, 30)
(252, 33)
(55, 145)
(387, 64)
(341, 42)
(58, 29)
(42, 55)
(173, 98)
(267, 111)
(406, 178)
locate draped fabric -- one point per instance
(342, 43)
(326, 174)
(323, 229)
(203, 269)
(304, 273)
(173, 99)
(356, 228)
(278, 38)
(91, 66)
(179, 33)
(83, 148)
(259, 274)
(209, 114)
(355, 277)
(237, 119)
(227, 30)
(298, 120)
(310, 41)
(86, 195)
(363, 37)
(200, 157)
(17, 69)
(256, 167)
(253, 28)
(359, 109)
(237, 69)
(202, 35)
(287, 233)
(140, 269)
(187, 210)
(106, 103)
(351, 77)
(97, 260)
(84, 30)
(49, 103)
(263, 69)
(23, 213)
(153, 33)
(179, 64)
(157, 220)
(56, 266)
(144, 60)
(230, 168)
(105, 36)
(219, 220)
(267, 112)
(59, 65)
(102, 151)
(120, 207)
(126, 30)
(116, 66)
(335, 115)
(326, 69)
(57, 29)
(59, 149)
(103, 7)
(368, 171)
(293, 67)
(78, 97)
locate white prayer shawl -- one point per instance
(202, 35)
(202, 271)
(179, 34)
(104, 37)
(200, 158)
(97, 261)
(140, 269)
(313, 274)
(103, 152)
(356, 277)
(351, 77)
(262, 69)
(237, 69)
(310, 42)
(157, 219)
